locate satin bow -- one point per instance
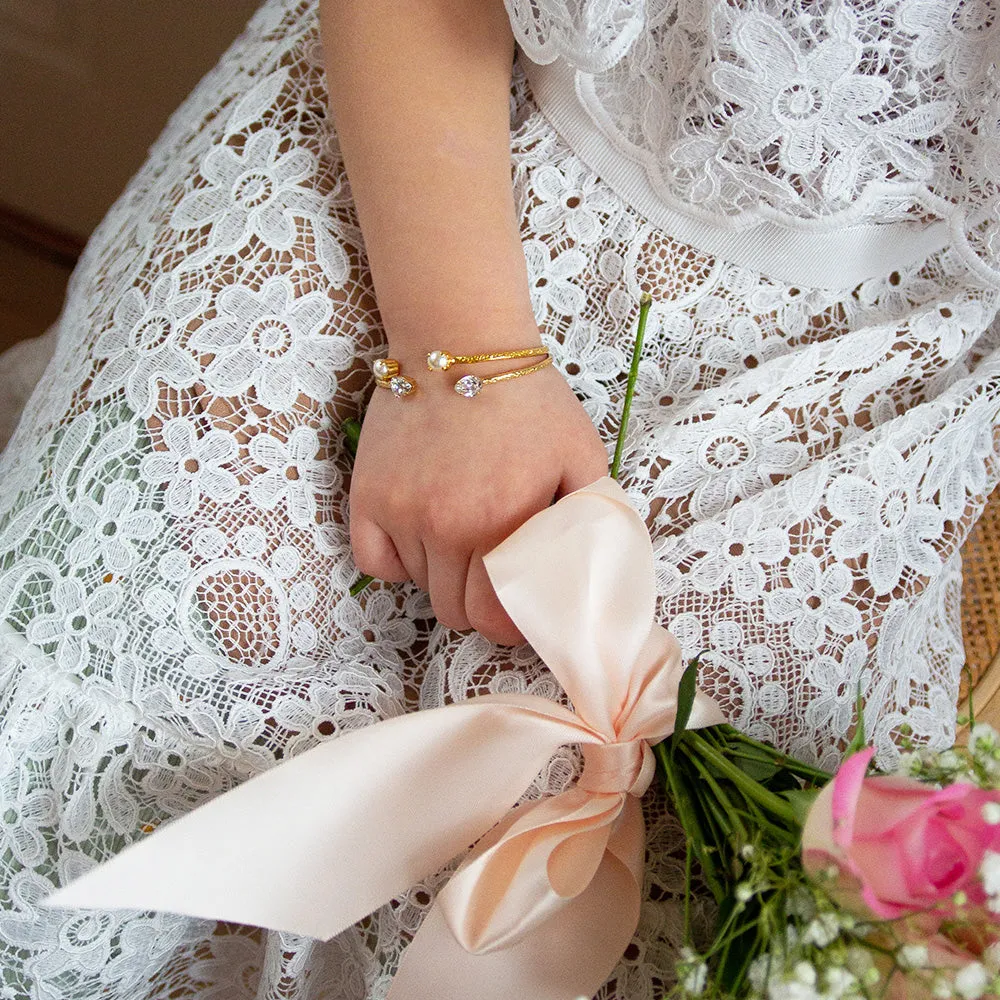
(548, 899)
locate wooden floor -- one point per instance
(32, 286)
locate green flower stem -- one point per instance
(728, 931)
(690, 823)
(725, 815)
(781, 833)
(645, 301)
(688, 855)
(360, 584)
(753, 790)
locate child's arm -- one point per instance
(419, 92)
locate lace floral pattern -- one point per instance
(174, 559)
(829, 114)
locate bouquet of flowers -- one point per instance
(856, 884)
(827, 886)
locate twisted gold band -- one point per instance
(472, 385)
(441, 361)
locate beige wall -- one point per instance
(87, 85)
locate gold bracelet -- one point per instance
(472, 385)
(388, 376)
(441, 361)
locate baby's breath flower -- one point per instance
(838, 982)
(989, 872)
(805, 973)
(695, 979)
(971, 982)
(859, 961)
(983, 737)
(984, 745)
(960, 898)
(910, 765)
(821, 930)
(747, 851)
(744, 892)
(941, 988)
(991, 813)
(791, 989)
(912, 956)
(801, 903)
(693, 972)
(758, 971)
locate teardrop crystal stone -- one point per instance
(468, 385)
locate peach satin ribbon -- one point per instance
(548, 899)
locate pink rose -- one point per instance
(908, 846)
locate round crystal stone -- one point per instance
(400, 386)
(380, 368)
(468, 385)
(439, 361)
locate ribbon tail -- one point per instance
(320, 841)
(567, 956)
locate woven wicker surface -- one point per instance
(981, 611)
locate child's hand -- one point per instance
(440, 480)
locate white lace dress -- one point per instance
(174, 559)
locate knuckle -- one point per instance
(440, 522)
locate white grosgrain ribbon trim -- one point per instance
(549, 897)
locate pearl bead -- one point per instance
(439, 361)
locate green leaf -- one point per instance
(351, 430)
(783, 780)
(759, 770)
(686, 691)
(801, 800)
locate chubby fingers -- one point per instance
(483, 608)
(446, 578)
(460, 589)
(375, 553)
